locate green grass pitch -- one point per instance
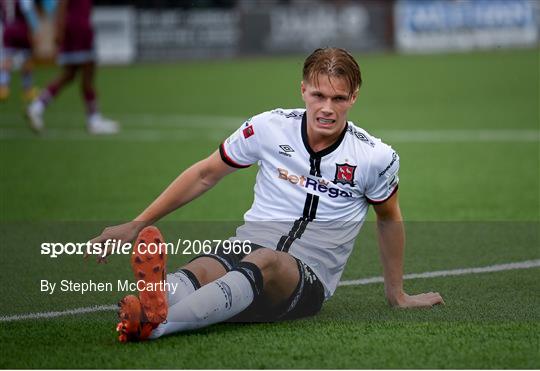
(467, 130)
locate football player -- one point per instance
(318, 174)
(20, 22)
(75, 40)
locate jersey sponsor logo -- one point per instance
(248, 131)
(319, 185)
(285, 150)
(394, 158)
(345, 174)
(360, 136)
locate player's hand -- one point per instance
(426, 300)
(126, 232)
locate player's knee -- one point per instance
(266, 259)
(205, 269)
(199, 271)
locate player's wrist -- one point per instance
(139, 224)
(395, 296)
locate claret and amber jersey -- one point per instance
(310, 204)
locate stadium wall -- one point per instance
(127, 34)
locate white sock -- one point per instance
(37, 106)
(93, 117)
(184, 287)
(216, 302)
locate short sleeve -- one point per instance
(241, 149)
(383, 175)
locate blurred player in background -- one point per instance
(20, 23)
(75, 40)
(318, 175)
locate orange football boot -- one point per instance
(133, 325)
(148, 262)
(140, 315)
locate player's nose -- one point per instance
(327, 110)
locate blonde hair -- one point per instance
(333, 62)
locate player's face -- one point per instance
(327, 105)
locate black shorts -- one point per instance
(306, 299)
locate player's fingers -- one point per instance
(433, 298)
(99, 239)
(437, 299)
(427, 300)
(94, 241)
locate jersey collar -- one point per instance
(328, 149)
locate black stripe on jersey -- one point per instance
(378, 202)
(315, 166)
(300, 224)
(312, 169)
(229, 161)
(325, 151)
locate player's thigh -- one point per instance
(279, 270)
(206, 269)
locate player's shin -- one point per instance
(216, 302)
(184, 283)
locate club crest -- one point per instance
(345, 174)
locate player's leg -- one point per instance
(279, 271)
(14, 40)
(200, 271)
(5, 73)
(37, 107)
(140, 315)
(30, 92)
(289, 288)
(96, 123)
(273, 274)
(191, 277)
(305, 299)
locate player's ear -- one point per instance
(302, 89)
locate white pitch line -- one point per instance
(38, 315)
(160, 127)
(364, 281)
(187, 133)
(453, 272)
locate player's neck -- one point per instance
(318, 141)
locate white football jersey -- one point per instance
(310, 204)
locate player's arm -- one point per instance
(192, 183)
(391, 234)
(189, 185)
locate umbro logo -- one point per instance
(286, 149)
